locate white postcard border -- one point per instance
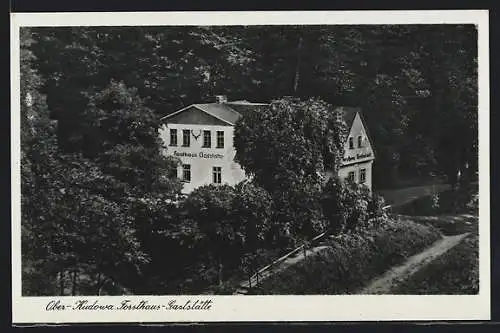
(261, 308)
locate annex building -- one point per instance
(201, 136)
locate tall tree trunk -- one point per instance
(61, 283)
(98, 285)
(101, 285)
(297, 66)
(219, 271)
(305, 252)
(73, 288)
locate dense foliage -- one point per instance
(234, 222)
(351, 260)
(349, 207)
(78, 229)
(400, 75)
(286, 148)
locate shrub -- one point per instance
(350, 206)
(352, 259)
(233, 221)
(376, 207)
(251, 208)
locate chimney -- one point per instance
(221, 99)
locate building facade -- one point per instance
(201, 136)
(359, 154)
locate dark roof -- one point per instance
(229, 112)
(244, 107)
(220, 110)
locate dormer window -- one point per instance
(351, 143)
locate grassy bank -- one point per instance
(352, 260)
(451, 201)
(455, 272)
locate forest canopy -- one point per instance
(416, 84)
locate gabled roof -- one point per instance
(228, 112)
(348, 113)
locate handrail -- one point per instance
(255, 276)
(281, 259)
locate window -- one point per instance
(220, 139)
(350, 177)
(185, 138)
(174, 173)
(362, 176)
(351, 143)
(173, 137)
(207, 139)
(217, 175)
(360, 141)
(186, 172)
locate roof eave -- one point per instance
(197, 107)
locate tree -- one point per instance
(122, 135)
(210, 206)
(332, 203)
(400, 76)
(35, 125)
(77, 205)
(173, 242)
(348, 206)
(80, 221)
(290, 139)
(286, 148)
(252, 209)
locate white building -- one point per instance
(201, 136)
(359, 154)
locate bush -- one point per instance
(350, 206)
(352, 260)
(252, 210)
(232, 221)
(376, 207)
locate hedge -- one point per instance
(352, 260)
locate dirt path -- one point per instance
(384, 283)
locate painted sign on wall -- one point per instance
(197, 155)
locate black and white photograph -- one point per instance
(248, 160)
